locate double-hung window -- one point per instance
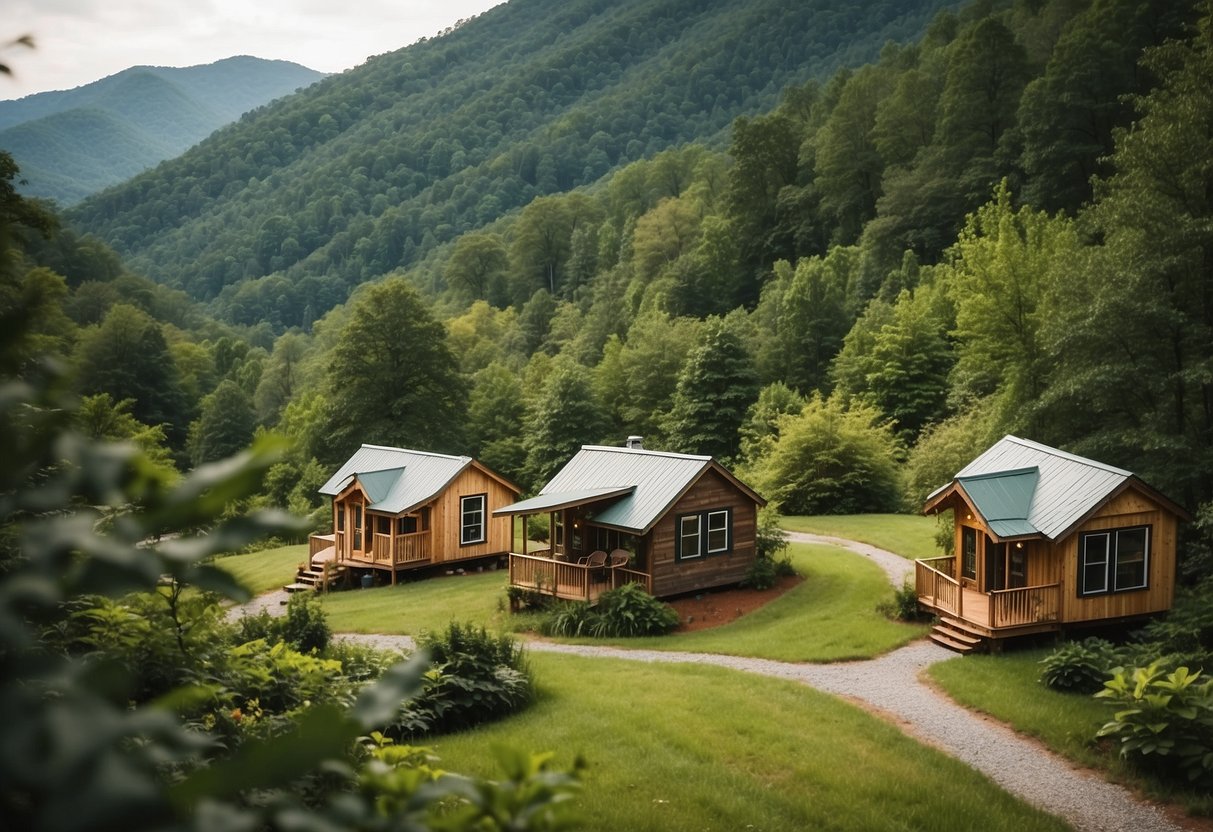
(1114, 560)
(705, 533)
(471, 519)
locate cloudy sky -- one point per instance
(80, 41)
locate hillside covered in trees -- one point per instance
(72, 143)
(1001, 225)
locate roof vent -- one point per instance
(636, 443)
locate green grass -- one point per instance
(265, 570)
(831, 616)
(689, 747)
(1006, 687)
(907, 535)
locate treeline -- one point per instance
(278, 217)
(877, 279)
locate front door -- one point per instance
(356, 521)
(996, 565)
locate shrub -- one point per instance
(630, 611)
(476, 676)
(305, 627)
(522, 598)
(1165, 720)
(570, 619)
(1079, 666)
(761, 574)
(903, 606)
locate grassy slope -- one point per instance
(687, 747)
(907, 535)
(266, 570)
(1006, 687)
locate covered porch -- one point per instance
(999, 613)
(542, 573)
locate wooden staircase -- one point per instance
(313, 577)
(955, 634)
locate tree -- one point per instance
(101, 419)
(496, 415)
(281, 377)
(562, 418)
(716, 386)
(760, 430)
(831, 460)
(477, 267)
(1132, 328)
(225, 426)
(390, 378)
(127, 357)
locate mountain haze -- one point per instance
(390, 160)
(76, 142)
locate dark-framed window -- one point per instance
(383, 525)
(472, 519)
(705, 533)
(406, 524)
(968, 552)
(1114, 560)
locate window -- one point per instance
(406, 524)
(688, 537)
(340, 518)
(968, 545)
(383, 525)
(471, 525)
(1115, 560)
(706, 533)
(718, 531)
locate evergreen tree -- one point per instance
(562, 418)
(716, 386)
(225, 426)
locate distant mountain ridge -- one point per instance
(73, 143)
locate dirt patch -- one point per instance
(711, 608)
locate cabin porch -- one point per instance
(540, 571)
(997, 614)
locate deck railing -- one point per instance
(317, 543)
(1025, 605)
(400, 548)
(571, 581)
(938, 589)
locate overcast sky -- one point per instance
(80, 41)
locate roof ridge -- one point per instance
(1010, 472)
(1047, 449)
(667, 454)
(412, 451)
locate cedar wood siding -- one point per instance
(711, 491)
(445, 519)
(1130, 508)
(1050, 563)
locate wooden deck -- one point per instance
(571, 581)
(998, 614)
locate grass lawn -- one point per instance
(266, 570)
(830, 617)
(1006, 687)
(687, 747)
(907, 535)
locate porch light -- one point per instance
(968, 516)
(1019, 545)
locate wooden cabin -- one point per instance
(1045, 541)
(674, 523)
(396, 510)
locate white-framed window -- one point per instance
(689, 536)
(1115, 560)
(471, 519)
(718, 531)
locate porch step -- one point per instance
(314, 578)
(956, 635)
(961, 626)
(298, 587)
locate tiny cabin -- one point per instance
(674, 523)
(1044, 541)
(396, 510)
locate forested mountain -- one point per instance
(73, 143)
(282, 214)
(1004, 225)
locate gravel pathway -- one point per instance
(892, 686)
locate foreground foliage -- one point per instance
(625, 612)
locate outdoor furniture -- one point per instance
(620, 557)
(594, 559)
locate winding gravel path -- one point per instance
(891, 685)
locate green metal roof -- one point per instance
(379, 484)
(1004, 499)
(396, 479)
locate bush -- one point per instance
(1164, 721)
(761, 574)
(903, 606)
(304, 627)
(522, 598)
(476, 677)
(630, 611)
(570, 619)
(1079, 666)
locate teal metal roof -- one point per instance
(396, 479)
(1030, 489)
(647, 484)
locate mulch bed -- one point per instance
(711, 608)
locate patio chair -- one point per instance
(620, 557)
(594, 559)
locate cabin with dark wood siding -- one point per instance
(396, 510)
(674, 523)
(1045, 540)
